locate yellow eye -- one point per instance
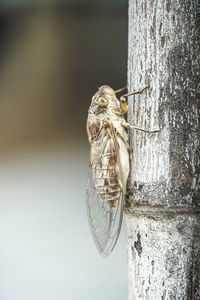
(103, 101)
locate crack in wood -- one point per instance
(138, 245)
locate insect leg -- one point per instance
(144, 130)
(127, 125)
(123, 97)
(121, 90)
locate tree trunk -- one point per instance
(163, 220)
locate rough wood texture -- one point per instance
(163, 221)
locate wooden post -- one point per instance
(163, 221)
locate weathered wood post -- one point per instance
(163, 221)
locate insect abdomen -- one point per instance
(106, 176)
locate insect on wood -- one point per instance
(109, 165)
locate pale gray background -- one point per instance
(46, 250)
(52, 59)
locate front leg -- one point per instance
(123, 105)
(122, 109)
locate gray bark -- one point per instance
(163, 220)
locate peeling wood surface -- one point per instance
(163, 257)
(164, 53)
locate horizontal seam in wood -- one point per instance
(156, 211)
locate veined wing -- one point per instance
(105, 223)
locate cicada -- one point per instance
(109, 166)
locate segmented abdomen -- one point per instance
(106, 172)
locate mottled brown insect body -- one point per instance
(109, 160)
(105, 128)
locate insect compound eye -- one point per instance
(102, 101)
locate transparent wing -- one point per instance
(105, 225)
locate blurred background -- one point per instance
(53, 57)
